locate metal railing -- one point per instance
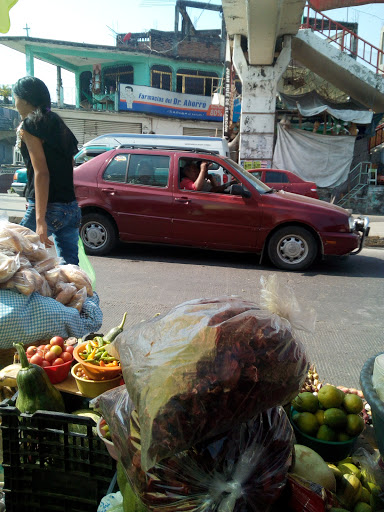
(341, 36)
(378, 138)
(357, 183)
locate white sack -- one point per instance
(324, 159)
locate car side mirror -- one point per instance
(239, 190)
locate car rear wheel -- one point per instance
(98, 234)
(292, 248)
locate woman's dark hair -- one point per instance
(33, 90)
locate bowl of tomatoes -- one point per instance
(55, 358)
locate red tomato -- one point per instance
(45, 363)
(31, 351)
(69, 348)
(42, 347)
(56, 349)
(57, 361)
(50, 356)
(66, 356)
(57, 340)
(36, 359)
(40, 353)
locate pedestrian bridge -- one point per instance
(322, 45)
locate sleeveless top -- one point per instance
(60, 145)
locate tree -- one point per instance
(5, 94)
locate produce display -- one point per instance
(55, 353)
(35, 390)
(226, 356)
(26, 267)
(329, 415)
(244, 469)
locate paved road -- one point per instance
(346, 294)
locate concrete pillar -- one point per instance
(258, 104)
(77, 86)
(29, 62)
(59, 88)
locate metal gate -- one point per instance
(87, 129)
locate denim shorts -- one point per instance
(63, 223)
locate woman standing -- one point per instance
(47, 146)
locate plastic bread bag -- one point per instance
(206, 366)
(74, 274)
(243, 469)
(25, 281)
(65, 292)
(9, 240)
(78, 299)
(47, 264)
(9, 265)
(24, 240)
(54, 276)
(45, 289)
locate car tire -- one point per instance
(292, 248)
(98, 234)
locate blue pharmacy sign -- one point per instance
(137, 98)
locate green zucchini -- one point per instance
(35, 389)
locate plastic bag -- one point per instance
(47, 264)
(85, 264)
(9, 265)
(204, 367)
(111, 503)
(25, 281)
(78, 299)
(65, 292)
(244, 469)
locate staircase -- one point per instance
(357, 184)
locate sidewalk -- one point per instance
(376, 232)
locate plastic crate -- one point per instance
(53, 462)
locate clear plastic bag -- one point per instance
(244, 469)
(47, 264)
(65, 292)
(9, 265)
(25, 281)
(204, 367)
(78, 299)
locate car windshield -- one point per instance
(250, 178)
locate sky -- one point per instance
(97, 21)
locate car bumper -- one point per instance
(340, 244)
(19, 188)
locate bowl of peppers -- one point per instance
(93, 357)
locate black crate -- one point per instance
(53, 462)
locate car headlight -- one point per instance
(352, 223)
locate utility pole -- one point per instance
(27, 29)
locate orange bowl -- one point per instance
(93, 371)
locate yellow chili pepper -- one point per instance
(92, 354)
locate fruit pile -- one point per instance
(329, 415)
(353, 487)
(81, 373)
(55, 353)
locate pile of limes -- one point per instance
(331, 415)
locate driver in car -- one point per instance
(196, 177)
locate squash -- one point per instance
(35, 389)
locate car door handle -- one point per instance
(110, 191)
(184, 200)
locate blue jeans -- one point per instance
(63, 223)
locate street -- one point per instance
(346, 294)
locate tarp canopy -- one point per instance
(324, 159)
(325, 5)
(312, 104)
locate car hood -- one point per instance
(304, 200)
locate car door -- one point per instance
(142, 210)
(215, 220)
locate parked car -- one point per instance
(286, 180)
(20, 181)
(292, 229)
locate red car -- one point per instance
(286, 180)
(121, 199)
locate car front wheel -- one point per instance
(98, 234)
(292, 248)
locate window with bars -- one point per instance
(117, 75)
(161, 77)
(203, 83)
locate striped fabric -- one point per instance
(27, 319)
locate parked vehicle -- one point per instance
(286, 180)
(113, 140)
(20, 181)
(251, 217)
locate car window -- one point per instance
(149, 170)
(249, 177)
(117, 169)
(257, 174)
(276, 177)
